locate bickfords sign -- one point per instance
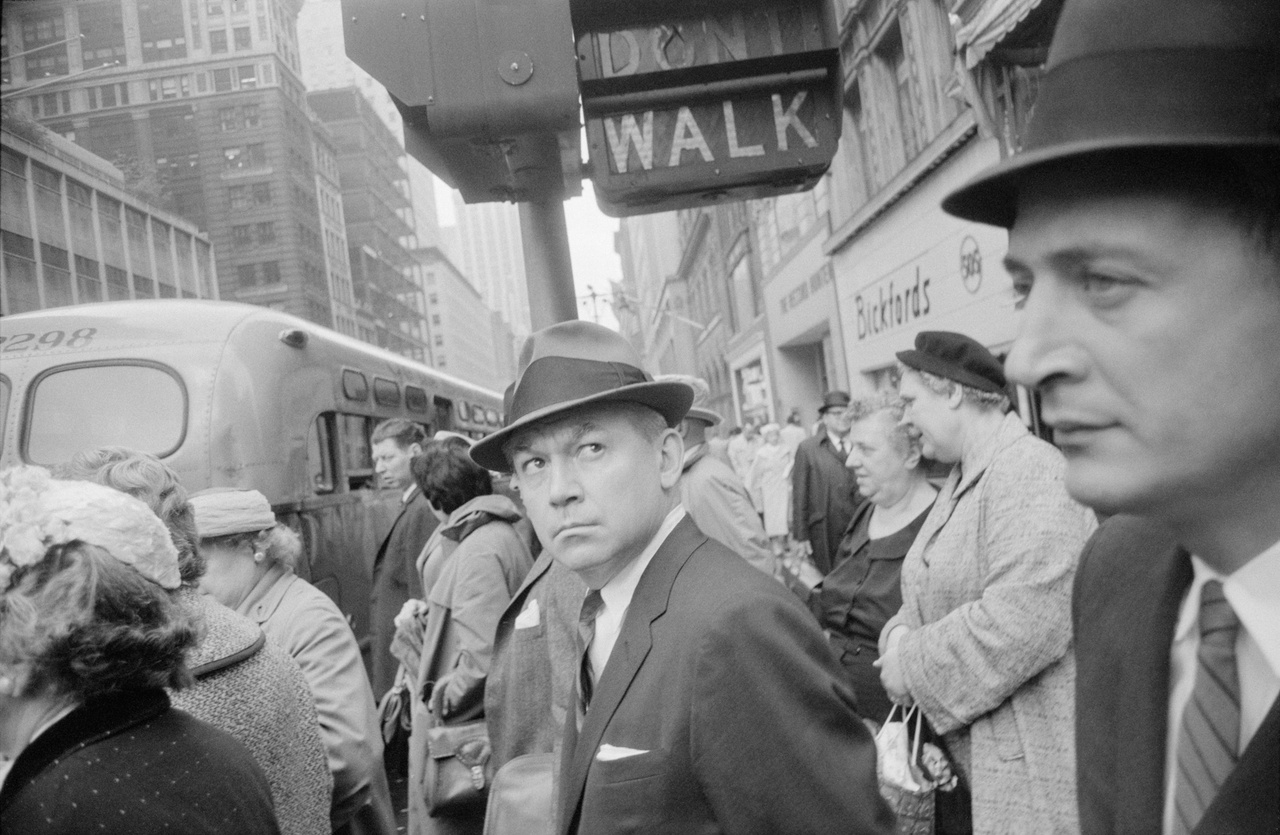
(947, 278)
(728, 105)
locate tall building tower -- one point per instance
(201, 105)
(491, 254)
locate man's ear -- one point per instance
(955, 396)
(414, 449)
(671, 449)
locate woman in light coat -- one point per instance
(770, 479)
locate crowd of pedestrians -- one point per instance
(591, 621)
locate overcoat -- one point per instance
(720, 710)
(127, 763)
(986, 592)
(307, 624)
(824, 495)
(250, 688)
(1132, 579)
(395, 580)
(475, 583)
(770, 479)
(718, 503)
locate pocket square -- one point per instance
(609, 753)
(528, 616)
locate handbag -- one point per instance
(394, 715)
(522, 797)
(458, 768)
(903, 784)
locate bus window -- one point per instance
(354, 385)
(357, 454)
(92, 405)
(415, 399)
(444, 414)
(320, 453)
(5, 389)
(385, 392)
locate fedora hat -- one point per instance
(1126, 74)
(701, 397)
(574, 364)
(835, 400)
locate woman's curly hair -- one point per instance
(85, 624)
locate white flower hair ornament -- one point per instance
(38, 512)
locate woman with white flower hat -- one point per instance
(89, 639)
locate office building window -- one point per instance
(218, 41)
(242, 39)
(101, 34)
(248, 76)
(221, 81)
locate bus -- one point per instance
(233, 395)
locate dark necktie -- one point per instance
(1211, 722)
(591, 606)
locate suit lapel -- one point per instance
(1143, 702)
(634, 642)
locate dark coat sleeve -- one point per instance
(766, 694)
(800, 493)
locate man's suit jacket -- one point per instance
(1129, 587)
(824, 495)
(733, 708)
(395, 580)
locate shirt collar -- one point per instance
(408, 493)
(1253, 590)
(618, 591)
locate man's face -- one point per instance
(836, 421)
(593, 486)
(391, 462)
(931, 415)
(1152, 329)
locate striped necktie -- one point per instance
(591, 607)
(1210, 730)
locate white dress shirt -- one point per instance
(617, 594)
(1254, 594)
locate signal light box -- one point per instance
(723, 101)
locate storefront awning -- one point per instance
(982, 24)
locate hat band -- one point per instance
(1183, 96)
(553, 381)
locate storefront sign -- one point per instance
(805, 289)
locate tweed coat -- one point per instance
(986, 593)
(307, 624)
(717, 501)
(396, 580)
(1132, 579)
(249, 687)
(824, 495)
(125, 763)
(725, 709)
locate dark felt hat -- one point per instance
(574, 364)
(835, 400)
(1126, 74)
(956, 357)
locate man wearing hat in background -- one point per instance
(706, 698)
(982, 642)
(824, 493)
(711, 492)
(1144, 241)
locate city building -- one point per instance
(72, 233)
(201, 106)
(374, 195)
(462, 334)
(491, 255)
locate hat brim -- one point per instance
(705, 415)
(921, 361)
(992, 195)
(669, 399)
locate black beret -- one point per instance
(956, 357)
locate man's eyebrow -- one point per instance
(575, 435)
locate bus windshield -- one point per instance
(88, 406)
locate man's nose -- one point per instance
(1045, 348)
(564, 485)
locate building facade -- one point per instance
(462, 334)
(201, 106)
(72, 233)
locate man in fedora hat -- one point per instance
(705, 698)
(982, 641)
(824, 493)
(1144, 244)
(711, 492)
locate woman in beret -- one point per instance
(250, 568)
(89, 640)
